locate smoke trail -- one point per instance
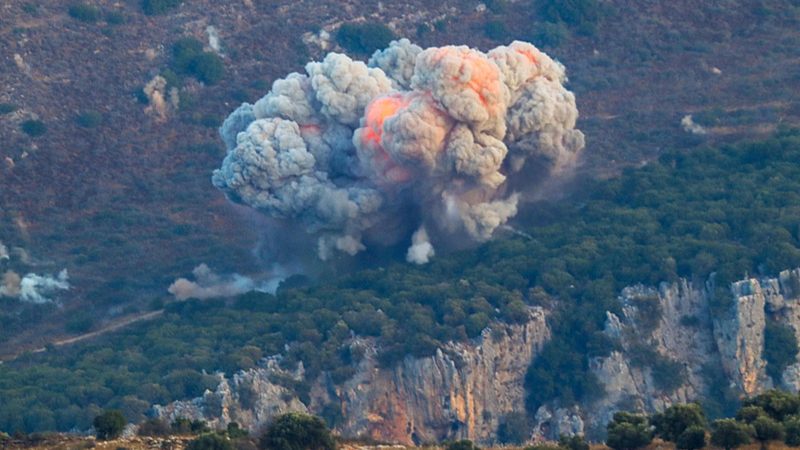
(210, 284)
(419, 139)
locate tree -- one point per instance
(464, 444)
(211, 441)
(207, 67)
(628, 431)
(768, 429)
(364, 38)
(575, 442)
(776, 403)
(792, 428)
(780, 348)
(729, 433)
(676, 419)
(692, 438)
(297, 431)
(109, 424)
(514, 428)
(34, 128)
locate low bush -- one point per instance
(84, 12)
(364, 38)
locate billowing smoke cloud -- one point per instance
(211, 285)
(421, 250)
(430, 140)
(32, 288)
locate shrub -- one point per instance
(211, 441)
(728, 433)
(549, 34)
(515, 428)
(84, 12)
(693, 438)
(154, 428)
(670, 424)
(575, 442)
(364, 38)
(109, 424)
(152, 7)
(628, 432)
(780, 349)
(8, 108)
(464, 444)
(576, 13)
(34, 128)
(497, 6)
(792, 428)
(115, 18)
(297, 431)
(89, 119)
(496, 30)
(184, 50)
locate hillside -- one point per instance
(113, 184)
(126, 206)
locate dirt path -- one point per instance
(124, 322)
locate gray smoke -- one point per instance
(33, 288)
(419, 139)
(210, 285)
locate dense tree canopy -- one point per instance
(731, 211)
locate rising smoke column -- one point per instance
(425, 139)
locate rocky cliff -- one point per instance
(670, 345)
(462, 391)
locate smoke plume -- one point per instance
(32, 288)
(418, 139)
(211, 285)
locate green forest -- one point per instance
(731, 211)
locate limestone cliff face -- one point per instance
(465, 390)
(686, 333)
(462, 391)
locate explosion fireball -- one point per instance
(423, 142)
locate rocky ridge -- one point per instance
(465, 390)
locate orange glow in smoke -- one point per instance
(526, 52)
(377, 112)
(483, 74)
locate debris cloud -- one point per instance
(417, 144)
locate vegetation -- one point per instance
(297, 431)
(190, 59)
(692, 438)
(675, 420)
(496, 29)
(580, 14)
(514, 428)
(780, 349)
(464, 444)
(8, 108)
(34, 128)
(683, 216)
(729, 434)
(152, 7)
(89, 119)
(364, 38)
(84, 12)
(628, 432)
(110, 424)
(211, 441)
